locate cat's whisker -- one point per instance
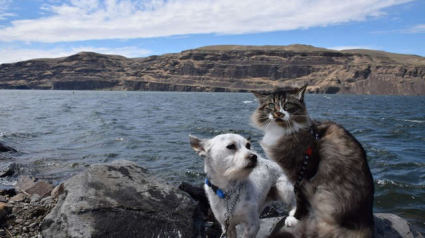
(292, 130)
(269, 122)
(263, 122)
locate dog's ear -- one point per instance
(198, 145)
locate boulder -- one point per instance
(121, 199)
(387, 225)
(9, 169)
(198, 194)
(5, 148)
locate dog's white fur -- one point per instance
(261, 181)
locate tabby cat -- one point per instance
(327, 165)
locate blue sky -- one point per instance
(138, 28)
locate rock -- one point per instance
(267, 226)
(121, 199)
(19, 221)
(4, 210)
(387, 225)
(41, 188)
(8, 169)
(3, 198)
(33, 186)
(58, 190)
(20, 197)
(35, 198)
(392, 226)
(25, 182)
(197, 193)
(46, 199)
(5, 148)
(9, 192)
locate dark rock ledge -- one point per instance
(121, 199)
(5, 148)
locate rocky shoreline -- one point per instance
(121, 199)
(23, 208)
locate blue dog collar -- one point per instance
(217, 190)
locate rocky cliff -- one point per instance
(226, 68)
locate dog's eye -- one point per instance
(231, 147)
(248, 146)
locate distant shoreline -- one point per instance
(226, 69)
(158, 91)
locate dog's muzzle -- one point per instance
(252, 161)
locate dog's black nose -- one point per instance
(253, 158)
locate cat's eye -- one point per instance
(290, 107)
(231, 147)
(248, 146)
(271, 105)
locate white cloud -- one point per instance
(351, 47)
(4, 8)
(416, 29)
(10, 55)
(78, 20)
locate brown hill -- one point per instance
(226, 68)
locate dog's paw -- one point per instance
(290, 221)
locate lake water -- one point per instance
(60, 133)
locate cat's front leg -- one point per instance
(302, 206)
(291, 221)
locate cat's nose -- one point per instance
(279, 114)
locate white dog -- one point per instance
(240, 184)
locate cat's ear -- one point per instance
(300, 93)
(260, 97)
(198, 145)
